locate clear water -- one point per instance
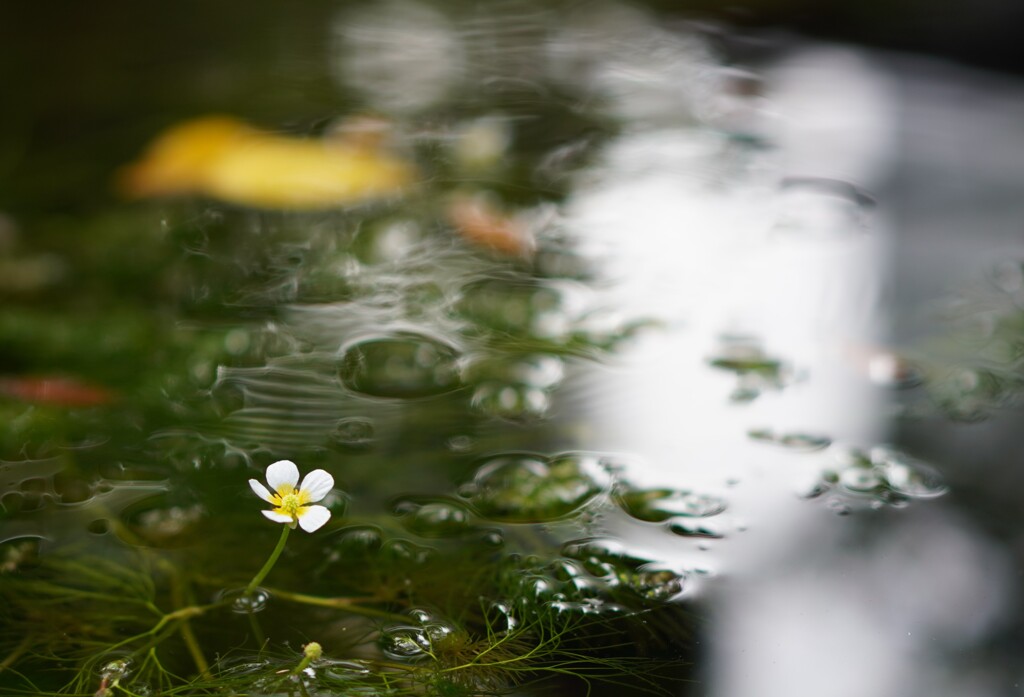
(608, 390)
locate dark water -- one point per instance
(616, 352)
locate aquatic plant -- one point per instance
(130, 622)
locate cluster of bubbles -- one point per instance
(592, 577)
(521, 490)
(425, 637)
(877, 477)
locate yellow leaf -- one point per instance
(226, 159)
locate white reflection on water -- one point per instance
(805, 601)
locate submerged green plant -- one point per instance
(130, 622)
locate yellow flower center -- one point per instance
(290, 503)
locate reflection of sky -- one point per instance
(802, 604)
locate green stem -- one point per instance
(347, 604)
(13, 657)
(257, 631)
(258, 578)
(179, 593)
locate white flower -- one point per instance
(291, 500)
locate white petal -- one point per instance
(312, 518)
(283, 473)
(317, 484)
(277, 517)
(261, 491)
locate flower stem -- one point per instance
(258, 578)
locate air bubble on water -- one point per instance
(243, 603)
(518, 308)
(536, 586)
(115, 670)
(565, 569)
(600, 569)
(907, 475)
(589, 606)
(100, 526)
(354, 432)
(415, 642)
(401, 365)
(876, 478)
(659, 505)
(433, 518)
(460, 444)
(582, 587)
(404, 643)
(359, 539)
(501, 619)
(405, 552)
(533, 488)
(859, 479)
(344, 670)
(656, 584)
